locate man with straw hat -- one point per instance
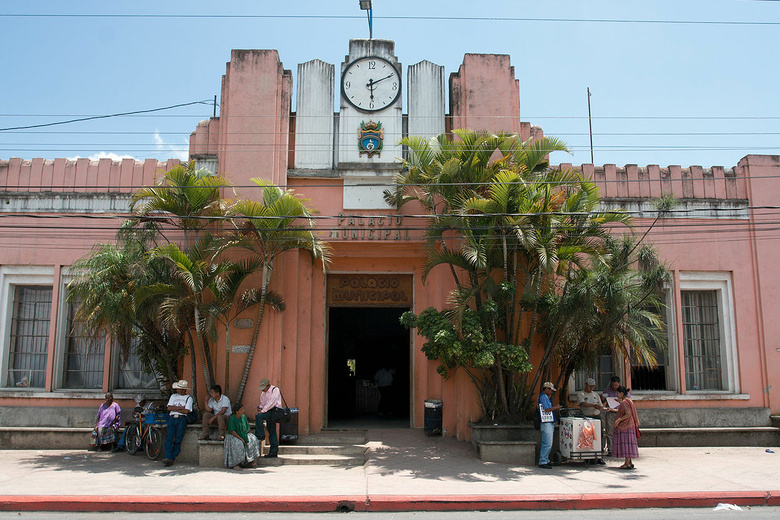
(179, 405)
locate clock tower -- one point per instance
(371, 119)
(359, 142)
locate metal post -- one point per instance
(590, 129)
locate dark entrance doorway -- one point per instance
(362, 341)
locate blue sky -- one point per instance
(662, 93)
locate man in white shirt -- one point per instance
(179, 405)
(589, 402)
(217, 410)
(270, 398)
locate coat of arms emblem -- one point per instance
(370, 138)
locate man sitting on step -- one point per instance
(217, 410)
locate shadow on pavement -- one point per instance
(103, 462)
(410, 452)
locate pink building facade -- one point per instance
(339, 328)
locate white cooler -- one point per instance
(576, 444)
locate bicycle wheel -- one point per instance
(153, 446)
(132, 440)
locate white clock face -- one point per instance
(370, 84)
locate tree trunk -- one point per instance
(265, 282)
(227, 358)
(205, 361)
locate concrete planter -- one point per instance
(507, 443)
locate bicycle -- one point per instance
(146, 433)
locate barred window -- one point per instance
(131, 373)
(29, 336)
(84, 354)
(603, 370)
(702, 340)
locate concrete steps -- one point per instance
(704, 436)
(329, 448)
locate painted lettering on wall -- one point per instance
(346, 290)
(369, 227)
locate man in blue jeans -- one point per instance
(179, 405)
(547, 426)
(270, 399)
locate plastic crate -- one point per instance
(156, 418)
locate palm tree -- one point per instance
(106, 285)
(194, 272)
(229, 302)
(614, 306)
(188, 199)
(266, 228)
(516, 223)
(185, 198)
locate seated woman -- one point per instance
(241, 446)
(107, 424)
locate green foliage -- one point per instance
(512, 231)
(175, 297)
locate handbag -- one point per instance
(281, 415)
(638, 433)
(192, 417)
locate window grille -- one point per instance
(701, 337)
(651, 378)
(84, 355)
(601, 372)
(131, 373)
(29, 336)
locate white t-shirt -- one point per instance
(180, 400)
(216, 406)
(589, 398)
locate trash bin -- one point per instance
(433, 417)
(288, 432)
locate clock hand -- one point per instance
(382, 79)
(370, 86)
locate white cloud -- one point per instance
(103, 155)
(177, 151)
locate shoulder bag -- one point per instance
(192, 417)
(281, 415)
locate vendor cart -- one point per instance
(580, 438)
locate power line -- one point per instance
(89, 118)
(472, 115)
(387, 17)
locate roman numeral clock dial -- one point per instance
(370, 84)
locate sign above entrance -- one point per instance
(369, 290)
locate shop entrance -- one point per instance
(368, 368)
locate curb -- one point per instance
(318, 504)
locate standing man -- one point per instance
(590, 404)
(270, 399)
(589, 401)
(179, 405)
(547, 426)
(217, 409)
(384, 383)
(609, 411)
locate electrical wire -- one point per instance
(388, 17)
(90, 118)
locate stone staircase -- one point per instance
(332, 448)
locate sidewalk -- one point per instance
(406, 471)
